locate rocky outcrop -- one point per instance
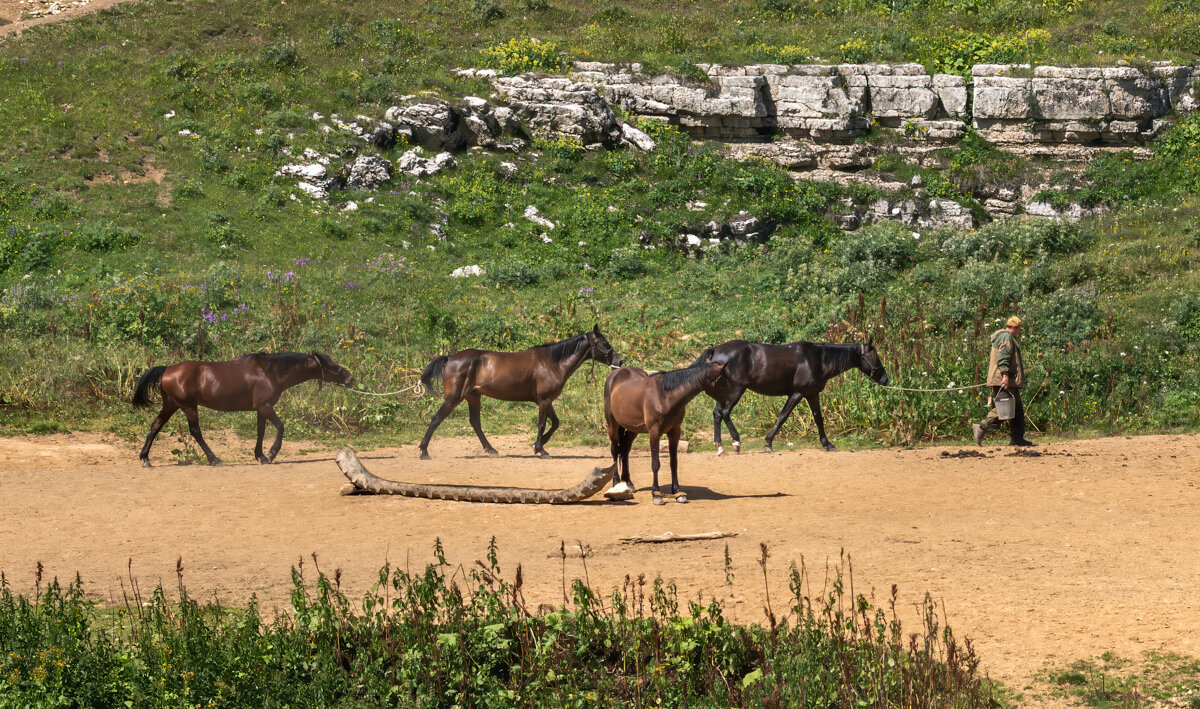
(363, 482)
(741, 228)
(368, 172)
(836, 103)
(1052, 104)
(558, 107)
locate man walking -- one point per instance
(1005, 371)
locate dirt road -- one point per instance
(1089, 547)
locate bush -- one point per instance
(280, 55)
(521, 55)
(514, 274)
(105, 236)
(627, 262)
(1068, 316)
(486, 10)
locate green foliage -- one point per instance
(103, 237)
(486, 10)
(441, 637)
(1069, 316)
(521, 55)
(280, 55)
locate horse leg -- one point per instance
(540, 442)
(193, 419)
(655, 439)
(726, 410)
(447, 406)
(159, 421)
(262, 429)
(553, 425)
(814, 403)
(783, 415)
(619, 490)
(274, 419)
(474, 404)
(673, 444)
(627, 437)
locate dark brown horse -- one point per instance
(797, 370)
(252, 382)
(536, 374)
(636, 402)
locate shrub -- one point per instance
(486, 10)
(855, 51)
(627, 262)
(280, 55)
(514, 274)
(535, 5)
(105, 236)
(612, 13)
(521, 55)
(1068, 316)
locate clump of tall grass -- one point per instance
(453, 636)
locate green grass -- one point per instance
(125, 244)
(449, 636)
(1114, 682)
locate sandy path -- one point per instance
(1090, 547)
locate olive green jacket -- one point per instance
(1005, 358)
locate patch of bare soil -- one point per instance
(23, 14)
(1088, 548)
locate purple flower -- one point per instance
(289, 275)
(589, 289)
(349, 285)
(302, 261)
(24, 60)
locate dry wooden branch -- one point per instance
(673, 537)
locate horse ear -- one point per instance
(596, 328)
(871, 340)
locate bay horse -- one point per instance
(536, 374)
(252, 382)
(797, 370)
(636, 402)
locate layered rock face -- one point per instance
(835, 103)
(1050, 104)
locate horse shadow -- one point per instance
(699, 492)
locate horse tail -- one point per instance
(152, 377)
(433, 371)
(704, 357)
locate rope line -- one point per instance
(947, 389)
(418, 387)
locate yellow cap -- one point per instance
(1014, 321)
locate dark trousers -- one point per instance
(1016, 426)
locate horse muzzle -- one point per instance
(882, 380)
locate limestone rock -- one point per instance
(558, 107)
(433, 125)
(368, 172)
(413, 164)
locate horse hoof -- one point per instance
(542, 454)
(658, 500)
(737, 446)
(681, 498)
(264, 460)
(216, 462)
(425, 455)
(720, 450)
(146, 463)
(620, 491)
(768, 449)
(829, 447)
(492, 452)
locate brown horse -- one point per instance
(252, 382)
(797, 370)
(636, 402)
(536, 374)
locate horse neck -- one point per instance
(572, 361)
(686, 392)
(836, 359)
(299, 375)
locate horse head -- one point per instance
(870, 364)
(602, 351)
(713, 371)
(330, 371)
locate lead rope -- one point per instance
(947, 389)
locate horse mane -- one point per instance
(680, 377)
(282, 362)
(838, 357)
(559, 351)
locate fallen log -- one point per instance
(362, 481)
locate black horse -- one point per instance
(796, 370)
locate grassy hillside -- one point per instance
(124, 243)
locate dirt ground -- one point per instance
(1089, 547)
(16, 13)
